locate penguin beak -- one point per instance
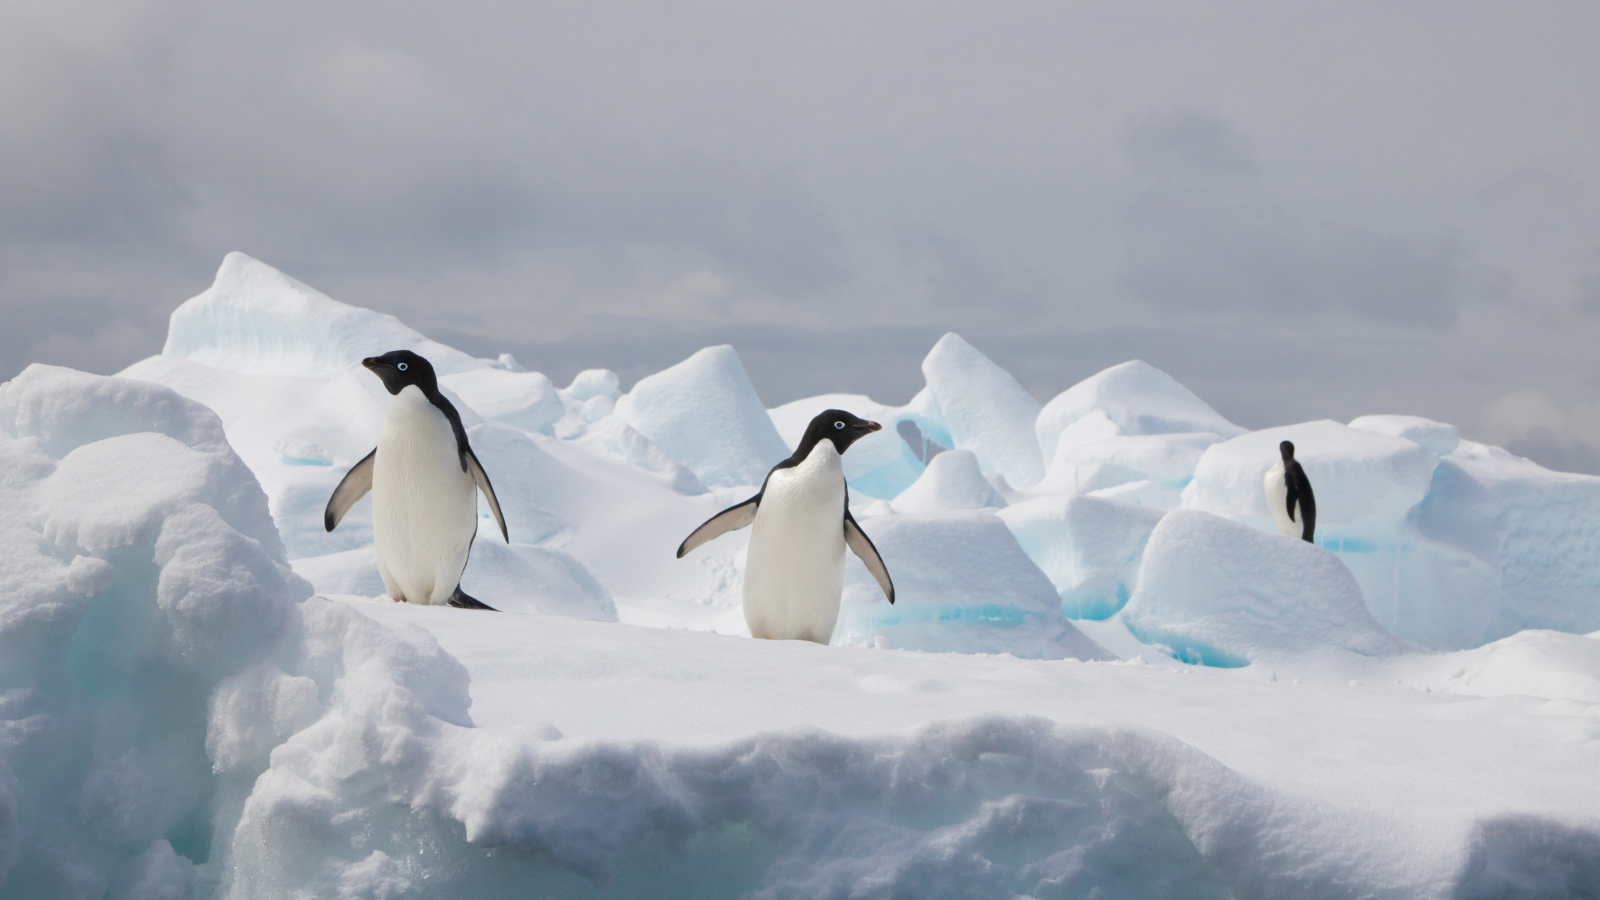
(872, 426)
(371, 362)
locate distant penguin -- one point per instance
(424, 480)
(1289, 496)
(794, 572)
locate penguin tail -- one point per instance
(462, 600)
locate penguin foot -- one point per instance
(461, 600)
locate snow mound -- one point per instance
(592, 383)
(1223, 594)
(140, 568)
(1363, 482)
(525, 400)
(962, 584)
(257, 320)
(1435, 437)
(951, 481)
(1167, 461)
(984, 410)
(1532, 663)
(1136, 397)
(1090, 548)
(704, 413)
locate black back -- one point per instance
(400, 369)
(1294, 477)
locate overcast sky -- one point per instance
(1299, 210)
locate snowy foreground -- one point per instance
(1107, 675)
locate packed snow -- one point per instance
(1106, 675)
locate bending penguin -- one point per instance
(794, 573)
(424, 480)
(1289, 496)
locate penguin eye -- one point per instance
(402, 367)
(839, 425)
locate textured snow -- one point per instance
(1081, 691)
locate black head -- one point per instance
(401, 368)
(838, 426)
(1287, 449)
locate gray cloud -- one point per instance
(1543, 447)
(1192, 249)
(619, 185)
(1190, 143)
(961, 277)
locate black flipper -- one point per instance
(731, 519)
(357, 482)
(1300, 493)
(857, 540)
(460, 600)
(482, 479)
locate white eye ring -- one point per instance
(839, 425)
(401, 367)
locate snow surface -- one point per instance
(1118, 684)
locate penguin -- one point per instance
(1289, 496)
(801, 523)
(424, 480)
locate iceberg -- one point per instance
(962, 584)
(1365, 483)
(1167, 462)
(525, 400)
(257, 320)
(1135, 397)
(1500, 544)
(1089, 547)
(1435, 437)
(704, 413)
(984, 409)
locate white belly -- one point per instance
(424, 508)
(794, 573)
(1277, 489)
